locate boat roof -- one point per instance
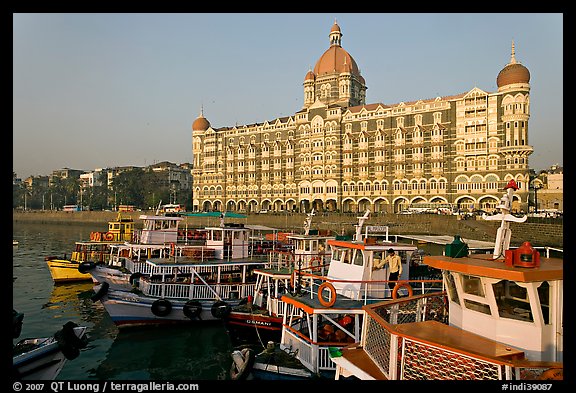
(173, 218)
(380, 246)
(309, 237)
(445, 239)
(484, 266)
(275, 273)
(313, 306)
(184, 261)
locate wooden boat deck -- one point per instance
(434, 333)
(454, 339)
(354, 357)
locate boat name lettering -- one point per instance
(249, 321)
(376, 228)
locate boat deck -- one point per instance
(356, 360)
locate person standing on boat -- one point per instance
(393, 260)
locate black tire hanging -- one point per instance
(192, 309)
(85, 267)
(220, 309)
(68, 342)
(103, 290)
(135, 277)
(161, 307)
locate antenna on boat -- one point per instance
(308, 222)
(504, 233)
(158, 209)
(361, 220)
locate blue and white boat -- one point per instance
(43, 358)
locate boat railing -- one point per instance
(368, 291)
(400, 355)
(195, 290)
(315, 356)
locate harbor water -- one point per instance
(196, 351)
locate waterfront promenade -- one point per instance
(539, 232)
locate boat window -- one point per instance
(512, 301)
(217, 235)
(336, 254)
(476, 306)
(347, 256)
(313, 243)
(472, 285)
(451, 287)
(544, 295)
(358, 258)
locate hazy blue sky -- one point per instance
(102, 90)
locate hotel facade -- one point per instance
(339, 153)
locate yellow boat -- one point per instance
(97, 250)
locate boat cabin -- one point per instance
(519, 306)
(229, 241)
(159, 229)
(357, 260)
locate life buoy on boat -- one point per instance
(103, 290)
(108, 236)
(97, 236)
(402, 285)
(330, 302)
(220, 309)
(85, 267)
(192, 309)
(161, 307)
(555, 374)
(172, 249)
(242, 363)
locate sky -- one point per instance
(99, 90)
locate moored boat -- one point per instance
(259, 317)
(500, 318)
(324, 312)
(43, 358)
(182, 288)
(96, 250)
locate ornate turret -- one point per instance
(513, 72)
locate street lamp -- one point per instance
(536, 188)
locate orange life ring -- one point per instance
(400, 285)
(330, 287)
(556, 374)
(108, 236)
(97, 236)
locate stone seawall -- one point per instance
(538, 233)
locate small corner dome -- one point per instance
(513, 72)
(310, 76)
(200, 124)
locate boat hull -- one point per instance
(244, 326)
(130, 309)
(44, 361)
(63, 270)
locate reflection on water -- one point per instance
(199, 352)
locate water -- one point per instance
(191, 352)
